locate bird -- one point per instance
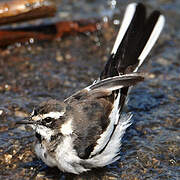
(85, 130)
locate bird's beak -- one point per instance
(27, 121)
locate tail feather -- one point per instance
(128, 16)
(153, 28)
(128, 51)
(134, 41)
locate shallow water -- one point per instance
(32, 73)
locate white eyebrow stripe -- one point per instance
(54, 115)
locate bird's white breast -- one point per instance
(43, 154)
(67, 158)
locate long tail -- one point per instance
(135, 39)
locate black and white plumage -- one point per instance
(85, 130)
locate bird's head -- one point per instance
(47, 119)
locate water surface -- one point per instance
(32, 73)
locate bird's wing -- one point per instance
(91, 110)
(105, 87)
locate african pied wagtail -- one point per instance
(85, 130)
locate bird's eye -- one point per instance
(48, 120)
